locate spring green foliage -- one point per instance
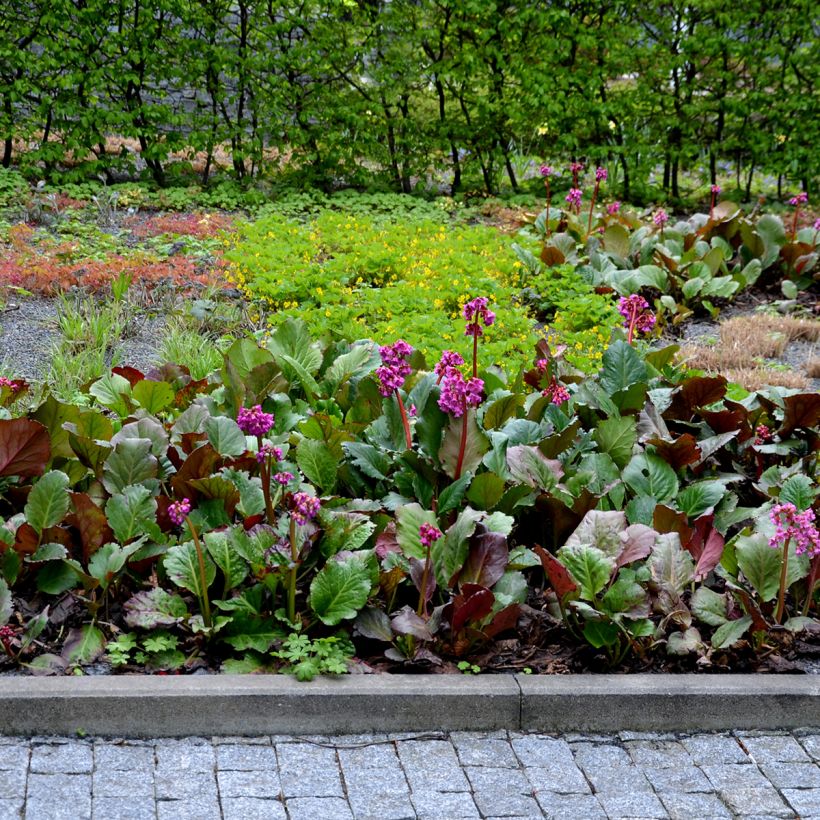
(464, 91)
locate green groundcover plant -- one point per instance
(318, 499)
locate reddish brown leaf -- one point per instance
(706, 546)
(202, 463)
(131, 373)
(558, 575)
(25, 447)
(678, 453)
(487, 558)
(91, 523)
(503, 621)
(638, 542)
(698, 391)
(550, 255)
(666, 519)
(726, 421)
(802, 410)
(473, 603)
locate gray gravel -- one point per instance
(431, 775)
(29, 330)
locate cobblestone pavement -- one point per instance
(460, 775)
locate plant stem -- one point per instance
(462, 444)
(591, 206)
(794, 224)
(815, 566)
(632, 319)
(778, 615)
(422, 607)
(475, 347)
(294, 558)
(408, 438)
(549, 205)
(266, 469)
(203, 581)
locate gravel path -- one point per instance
(29, 329)
(460, 775)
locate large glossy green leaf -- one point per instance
(220, 548)
(617, 436)
(729, 633)
(340, 589)
(475, 446)
(131, 463)
(6, 603)
(700, 498)
(449, 553)
(589, 567)
(154, 608)
(133, 513)
(761, 564)
(649, 475)
(153, 396)
(84, 645)
(107, 562)
(48, 501)
(672, 568)
(182, 565)
(409, 518)
(225, 436)
(622, 366)
(317, 463)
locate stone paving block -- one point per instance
(11, 808)
(248, 784)
(501, 792)
(590, 756)
(431, 766)
(369, 757)
(433, 805)
(570, 806)
(793, 775)
(369, 806)
(174, 756)
(58, 796)
(628, 805)
(689, 805)
(252, 808)
(474, 750)
(811, 743)
(123, 758)
(122, 808)
(560, 777)
(618, 779)
(239, 740)
(114, 783)
(190, 809)
(14, 756)
(683, 779)
(755, 801)
(806, 802)
(658, 753)
(714, 749)
(13, 783)
(648, 736)
(183, 785)
(246, 758)
(735, 776)
(775, 749)
(540, 750)
(318, 808)
(64, 758)
(307, 770)
(387, 780)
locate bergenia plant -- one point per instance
(798, 528)
(660, 218)
(477, 313)
(303, 508)
(178, 512)
(254, 421)
(457, 396)
(575, 169)
(391, 375)
(428, 534)
(715, 191)
(801, 199)
(600, 176)
(638, 318)
(573, 199)
(546, 173)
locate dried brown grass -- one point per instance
(755, 378)
(813, 368)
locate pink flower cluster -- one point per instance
(817, 224)
(253, 421)
(178, 511)
(574, 197)
(283, 478)
(762, 434)
(450, 360)
(428, 534)
(304, 507)
(716, 189)
(636, 313)
(613, 208)
(394, 369)
(576, 167)
(660, 217)
(546, 170)
(798, 526)
(474, 311)
(269, 451)
(556, 392)
(458, 393)
(4, 382)
(801, 199)
(600, 174)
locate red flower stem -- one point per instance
(778, 615)
(408, 438)
(712, 208)
(632, 319)
(462, 444)
(475, 347)
(592, 205)
(294, 559)
(815, 566)
(794, 224)
(549, 206)
(206, 604)
(422, 607)
(264, 470)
